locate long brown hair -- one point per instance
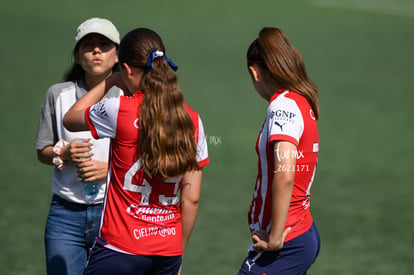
(166, 142)
(273, 52)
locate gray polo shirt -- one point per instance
(59, 98)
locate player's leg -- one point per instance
(315, 242)
(104, 261)
(65, 238)
(166, 265)
(93, 219)
(296, 257)
(249, 264)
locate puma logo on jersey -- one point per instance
(280, 125)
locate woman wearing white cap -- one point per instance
(78, 180)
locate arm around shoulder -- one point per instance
(74, 119)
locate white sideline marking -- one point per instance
(390, 7)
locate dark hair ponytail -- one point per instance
(273, 52)
(166, 140)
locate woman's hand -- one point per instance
(77, 151)
(92, 170)
(261, 241)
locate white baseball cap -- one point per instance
(97, 25)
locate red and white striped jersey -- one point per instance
(141, 212)
(289, 118)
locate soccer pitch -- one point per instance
(358, 53)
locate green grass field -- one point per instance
(358, 52)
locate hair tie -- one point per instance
(154, 54)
